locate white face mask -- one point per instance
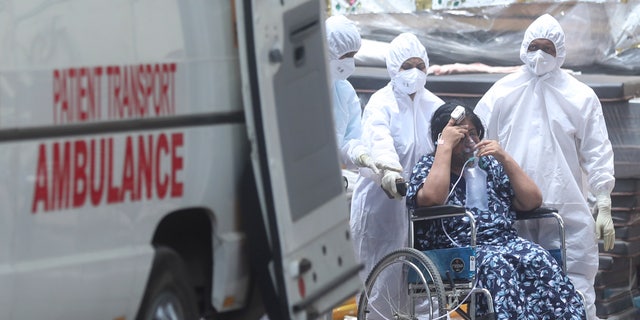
(409, 81)
(341, 69)
(540, 62)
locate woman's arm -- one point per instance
(527, 194)
(435, 188)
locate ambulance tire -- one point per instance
(168, 294)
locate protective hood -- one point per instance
(545, 27)
(404, 46)
(342, 36)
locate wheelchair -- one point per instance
(437, 282)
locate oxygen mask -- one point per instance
(469, 147)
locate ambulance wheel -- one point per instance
(168, 294)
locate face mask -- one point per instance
(409, 81)
(540, 62)
(341, 69)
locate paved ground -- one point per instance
(347, 311)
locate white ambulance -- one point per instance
(160, 158)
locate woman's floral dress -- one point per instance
(525, 281)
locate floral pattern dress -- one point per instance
(525, 281)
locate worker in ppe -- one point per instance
(553, 126)
(395, 128)
(343, 42)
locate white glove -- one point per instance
(389, 166)
(389, 183)
(604, 223)
(364, 160)
(361, 158)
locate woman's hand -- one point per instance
(493, 148)
(452, 134)
(527, 194)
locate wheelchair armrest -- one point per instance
(540, 212)
(549, 212)
(442, 211)
(435, 212)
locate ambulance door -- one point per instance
(289, 117)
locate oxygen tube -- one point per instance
(476, 197)
(476, 184)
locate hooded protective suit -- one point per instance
(342, 38)
(395, 129)
(553, 126)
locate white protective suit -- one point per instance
(554, 128)
(396, 130)
(342, 38)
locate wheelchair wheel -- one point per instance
(395, 288)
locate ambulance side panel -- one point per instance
(115, 116)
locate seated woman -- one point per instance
(524, 279)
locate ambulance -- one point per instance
(165, 159)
